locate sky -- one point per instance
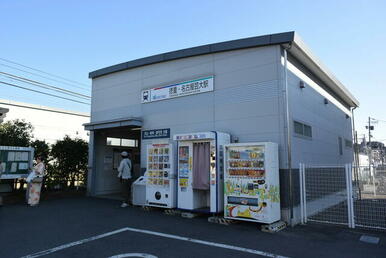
(72, 38)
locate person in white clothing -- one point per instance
(35, 185)
(124, 174)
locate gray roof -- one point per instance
(297, 48)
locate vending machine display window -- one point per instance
(158, 165)
(251, 183)
(160, 176)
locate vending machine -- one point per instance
(160, 176)
(200, 171)
(251, 189)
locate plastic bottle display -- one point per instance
(158, 165)
(251, 185)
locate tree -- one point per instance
(70, 159)
(41, 148)
(16, 133)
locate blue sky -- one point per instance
(72, 38)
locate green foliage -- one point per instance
(16, 133)
(41, 149)
(70, 159)
(65, 162)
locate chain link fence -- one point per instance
(344, 195)
(324, 194)
(370, 197)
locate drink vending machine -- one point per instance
(251, 181)
(160, 176)
(200, 171)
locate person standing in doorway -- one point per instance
(124, 174)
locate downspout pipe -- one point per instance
(355, 148)
(288, 132)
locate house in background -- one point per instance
(3, 112)
(50, 124)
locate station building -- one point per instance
(268, 88)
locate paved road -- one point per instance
(27, 230)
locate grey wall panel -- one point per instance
(181, 117)
(249, 125)
(267, 107)
(244, 59)
(115, 99)
(245, 93)
(173, 66)
(116, 113)
(113, 79)
(250, 75)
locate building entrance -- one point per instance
(108, 146)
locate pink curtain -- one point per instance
(201, 165)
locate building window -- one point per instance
(302, 129)
(348, 143)
(121, 142)
(340, 145)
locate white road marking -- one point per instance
(232, 247)
(61, 247)
(133, 255)
(154, 233)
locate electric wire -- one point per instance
(37, 70)
(41, 92)
(43, 85)
(21, 70)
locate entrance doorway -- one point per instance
(108, 146)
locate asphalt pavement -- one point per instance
(92, 227)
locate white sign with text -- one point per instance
(178, 90)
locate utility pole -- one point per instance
(369, 144)
(370, 127)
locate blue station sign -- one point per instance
(156, 134)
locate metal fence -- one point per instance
(370, 197)
(344, 195)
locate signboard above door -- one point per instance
(192, 87)
(156, 134)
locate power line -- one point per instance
(45, 86)
(37, 70)
(41, 92)
(12, 67)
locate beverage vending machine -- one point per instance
(200, 171)
(251, 189)
(160, 176)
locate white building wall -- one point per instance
(328, 122)
(49, 124)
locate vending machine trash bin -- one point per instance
(139, 191)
